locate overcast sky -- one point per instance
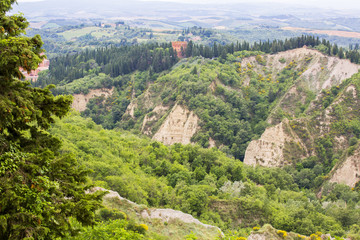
(340, 4)
(317, 3)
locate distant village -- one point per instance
(180, 48)
(34, 74)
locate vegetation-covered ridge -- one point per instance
(204, 182)
(234, 98)
(321, 144)
(115, 61)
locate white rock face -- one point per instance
(80, 100)
(179, 127)
(155, 115)
(257, 237)
(168, 214)
(268, 150)
(349, 171)
(130, 110)
(111, 194)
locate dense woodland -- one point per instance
(201, 181)
(49, 155)
(115, 61)
(230, 117)
(40, 188)
(206, 183)
(154, 57)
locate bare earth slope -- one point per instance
(279, 144)
(348, 172)
(269, 149)
(80, 100)
(321, 71)
(179, 126)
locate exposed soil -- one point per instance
(179, 127)
(80, 100)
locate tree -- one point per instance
(189, 49)
(39, 188)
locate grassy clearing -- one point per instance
(103, 33)
(74, 33)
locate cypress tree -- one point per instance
(39, 188)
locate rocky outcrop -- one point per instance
(152, 117)
(315, 72)
(130, 110)
(167, 215)
(321, 71)
(269, 150)
(325, 72)
(111, 194)
(178, 127)
(348, 172)
(80, 100)
(164, 215)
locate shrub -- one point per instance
(282, 60)
(107, 214)
(144, 227)
(282, 234)
(353, 141)
(141, 228)
(191, 236)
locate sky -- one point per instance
(20, 1)
(325, 3)
(343, 4)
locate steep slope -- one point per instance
(316, 72)
(329, 132)
(178, 127)
(80, 100)
(270, 149)
(233, 101)
(224, 102)
(348, 171)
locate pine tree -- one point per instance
(341, 54)
(39, 188)
(189, 49)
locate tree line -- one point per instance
(116, 61)
(275, 46)
(113, 61)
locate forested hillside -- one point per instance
(233, 97)
(228, 101)
(219, 141)
(217, 189)
(115, 61)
